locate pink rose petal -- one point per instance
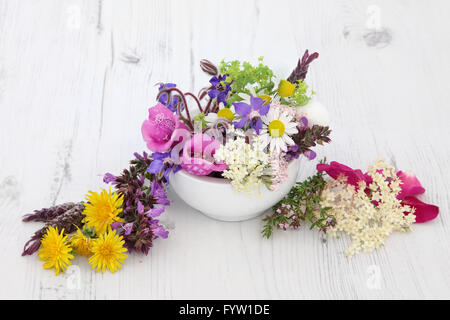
(335, 169)
(411, 185)
(424, 211)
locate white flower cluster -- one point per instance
(368, 217)
(247, 162)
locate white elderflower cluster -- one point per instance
(247, 162)
(370, 213)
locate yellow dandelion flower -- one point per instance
(102, 209)
(55, 250)
(286, 89)
(81, 244)
(108, 252)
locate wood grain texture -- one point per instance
(76, 78)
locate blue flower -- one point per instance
(172, 104)
(218, 89)
(162, 162)
(251, 113)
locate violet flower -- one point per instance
(158, 192)
(128, 228)
(162, 162)
(155, 212)
(172, 104)
(303, 122)
(109, 178)
(218, 90)
(311, 155)
(292, 153)
(140, 207)
(251, 113)
(158, 230)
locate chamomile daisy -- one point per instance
(223, 113)
(259, 94)
(278, 126)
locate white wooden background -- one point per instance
(76, 78)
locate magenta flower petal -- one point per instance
(162, 129)
(424, 211)
(335, 169)
(411, 185)
(198, 155)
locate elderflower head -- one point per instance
(369, 213)
(247, 162)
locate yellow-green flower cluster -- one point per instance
(368, 216)
(247, 162)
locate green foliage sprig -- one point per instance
(302, 204)
(302, 94)
(243, 73)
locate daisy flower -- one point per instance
(55, 250)
(108, 252)
(223, 113)
(102, 209)
(278, 126)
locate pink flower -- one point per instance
(335, 169)
(410, 188)
(163, 129)
(198, 155)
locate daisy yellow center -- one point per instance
(226, 114)
(276, 128)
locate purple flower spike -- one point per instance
(304, 122)
(116, 225)
(310, 154)
(158, 192)
(140, 207)
(128, 228)
(109, 178)
(155, 212)
(159, 231)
